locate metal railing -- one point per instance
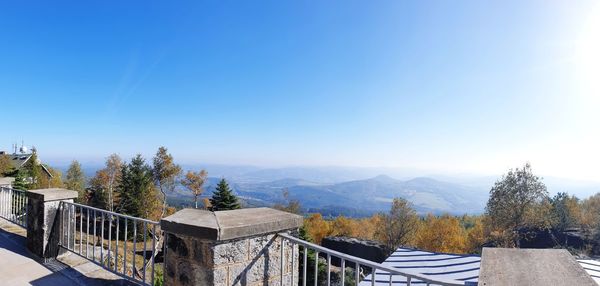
(122, 244)
(13, 205)
(312, 272)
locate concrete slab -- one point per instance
(533, 267)
(18, 267)
(53, 194)
(227, 225)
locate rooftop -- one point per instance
(467, 268)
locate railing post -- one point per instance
(238, 247)
(42, 209)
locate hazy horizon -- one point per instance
(450, 88)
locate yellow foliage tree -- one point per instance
(476, 237)
(441, 234)
(317, 228)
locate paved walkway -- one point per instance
(18, 266)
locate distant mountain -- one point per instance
(356, 191)
(361, 197)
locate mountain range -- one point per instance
(354, 191)
(359, 197)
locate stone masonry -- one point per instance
(42, 208)
(239, 247)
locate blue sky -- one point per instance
(457, 86)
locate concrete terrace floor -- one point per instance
(19, 267)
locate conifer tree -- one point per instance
(76, 180)
(223, 199)
(20, 182)
(34, 171)
(135, 187)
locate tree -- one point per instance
(399, 225)
(20, 182)
(98, 193)
(5, 165)
(515, 203)
(476, 237)
(288, 205)
(113, 169)
(566, 211)
(194, 182)
(51, 182)
(442, 234)
(165, 173)
(75, 180)
(590, 213)
(135, 187)
(223, 199)
(104, 183)
(317, 228)
(33, 170)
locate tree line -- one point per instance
(135, 188)
(519, 206)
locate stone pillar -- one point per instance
(238, 247)
(42, 209)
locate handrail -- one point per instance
(374, 265)
(112, 213)
(81, 223)
(13, 205)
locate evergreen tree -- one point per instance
(223, 199)
(135, 186)
(20, 182)
(76, 180)
(33, 171)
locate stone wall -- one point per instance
(239, 247)
(42, 209)
(248, 262)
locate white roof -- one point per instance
(454, 267)
(592, 267)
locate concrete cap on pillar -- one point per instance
(227, 225)
(54, 194)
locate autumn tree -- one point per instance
(75, 180)
(317, 228)
(566, 211)
(516, 201)
(288, 204)
(590, 213)
(441, 234)
(165, 173)
(399, 225)
(104, 183)
(194, 182)
(476, 237)
(343, 226)
(113, 169)
(5, 165)
(55, 181)
(223, 198)
(98, 193)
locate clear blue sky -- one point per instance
(476, 86)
